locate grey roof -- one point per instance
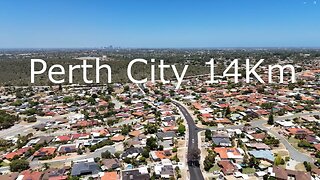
(83, 168)
(167, 170)
(134, 174)
(168, 134)
(166, 143)
(221, 140)
(130, 151)
(169, 118)
(111, 163)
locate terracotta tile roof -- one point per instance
(135, 133)
(295, 131)
(110, 176)
(31, 175)
(138, 113)
(317, 146)
(258, 135)
(118, 138)
(223, 121)
(45, 151)
(226, 153)
(18, 152)
(162, 155)
(64, 138)
(197, 106)
(227, 167)
(78, 135)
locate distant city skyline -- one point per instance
(159, 24)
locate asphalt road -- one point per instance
(22, 129)
(294, 153)
(195, 172)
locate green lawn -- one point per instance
(248, 170)
(3, 164)
(293, 140)
(215, 168)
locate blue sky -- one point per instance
(159, 23)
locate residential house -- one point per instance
(141, 173)
(85, 168)
(108, 164)
(227, 167)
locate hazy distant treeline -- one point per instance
(15, 65)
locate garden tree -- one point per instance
(145, 153)
(22, 140)
(126, 88)
(171, 92)
(271, 141)
(152, 143)
(18, 102)
(181, 129)
(45, 166)
(270, 118)
(91, 100)
(19, 165)
(167, 100)
(7, 120)
(67, 99)
(94, 96)
(203, 90)
(175, 158)
(97, 159)
(300, 82)
(227, 111)
(31, 119)
(307, 165)
(253, 162)
(160, 148)
(304, 143)
(291, 86)
(298, 97)
(281, 112)
(260, 89)
(246, 159)
(117, 154)
(60, 87)
(174, 149)
(126, 129)
(208, 135)
(33, 103)
(279, 161)
(142, 159)
(318, 154)
(110, 89)
(106, 155)
(178, 172)
(209, 161)
(179, 120)
(151, 128)
(5, 144)
(127, 102)
(267, 105)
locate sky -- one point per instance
(159, 23)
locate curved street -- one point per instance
(294, 153)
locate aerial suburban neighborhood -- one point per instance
(159, 90)
(154, 131)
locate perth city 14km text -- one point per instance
(58, 69)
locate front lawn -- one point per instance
(248, 170)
